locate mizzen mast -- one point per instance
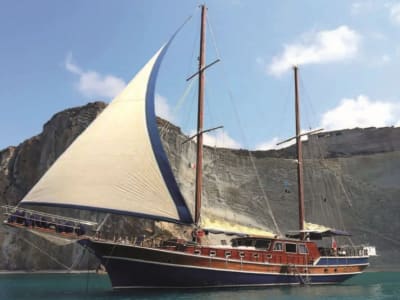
(199, 159)
(300, 181)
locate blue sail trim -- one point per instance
(104, 210)
(161, 157)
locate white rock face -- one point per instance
(351, 182)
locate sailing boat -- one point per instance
(118, 165)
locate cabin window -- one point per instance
(291, 248)
(255, 255)
(262, 244)
(278, 247)
(245, 242)
(303, 249)
(212, 253)
(197, 252)
(241, 254)
(228, 254)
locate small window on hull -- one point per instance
(290, 248)
(303, 249)
(278, 247)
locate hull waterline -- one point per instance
(131, 266)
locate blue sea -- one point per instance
(373, 285)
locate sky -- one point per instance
(61, 54)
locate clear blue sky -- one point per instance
(60, 54)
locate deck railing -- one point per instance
(37, 219)
(344, 251)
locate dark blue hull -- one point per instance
(141, 267)
(137, 274)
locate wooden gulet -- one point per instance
(249, 260)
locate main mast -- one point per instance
(199, 160)
(300, 182)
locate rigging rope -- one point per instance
(284, 111)
(213, 38)
(102, 222)
(310, 106)
(329, 182)
(195, 38)
(45, 253)
(257, 175)
(317, 155)
(78, 260)
(75, 262)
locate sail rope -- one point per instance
(180, 102)
(190, 111)
(231, 98)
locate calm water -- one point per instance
(382, 285)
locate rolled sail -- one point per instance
(118, 164)
(219, 225)
(323, 230)
(316, 232)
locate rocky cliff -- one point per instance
(351, 182)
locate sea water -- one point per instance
(372, 285)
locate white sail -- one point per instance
(117, 164)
